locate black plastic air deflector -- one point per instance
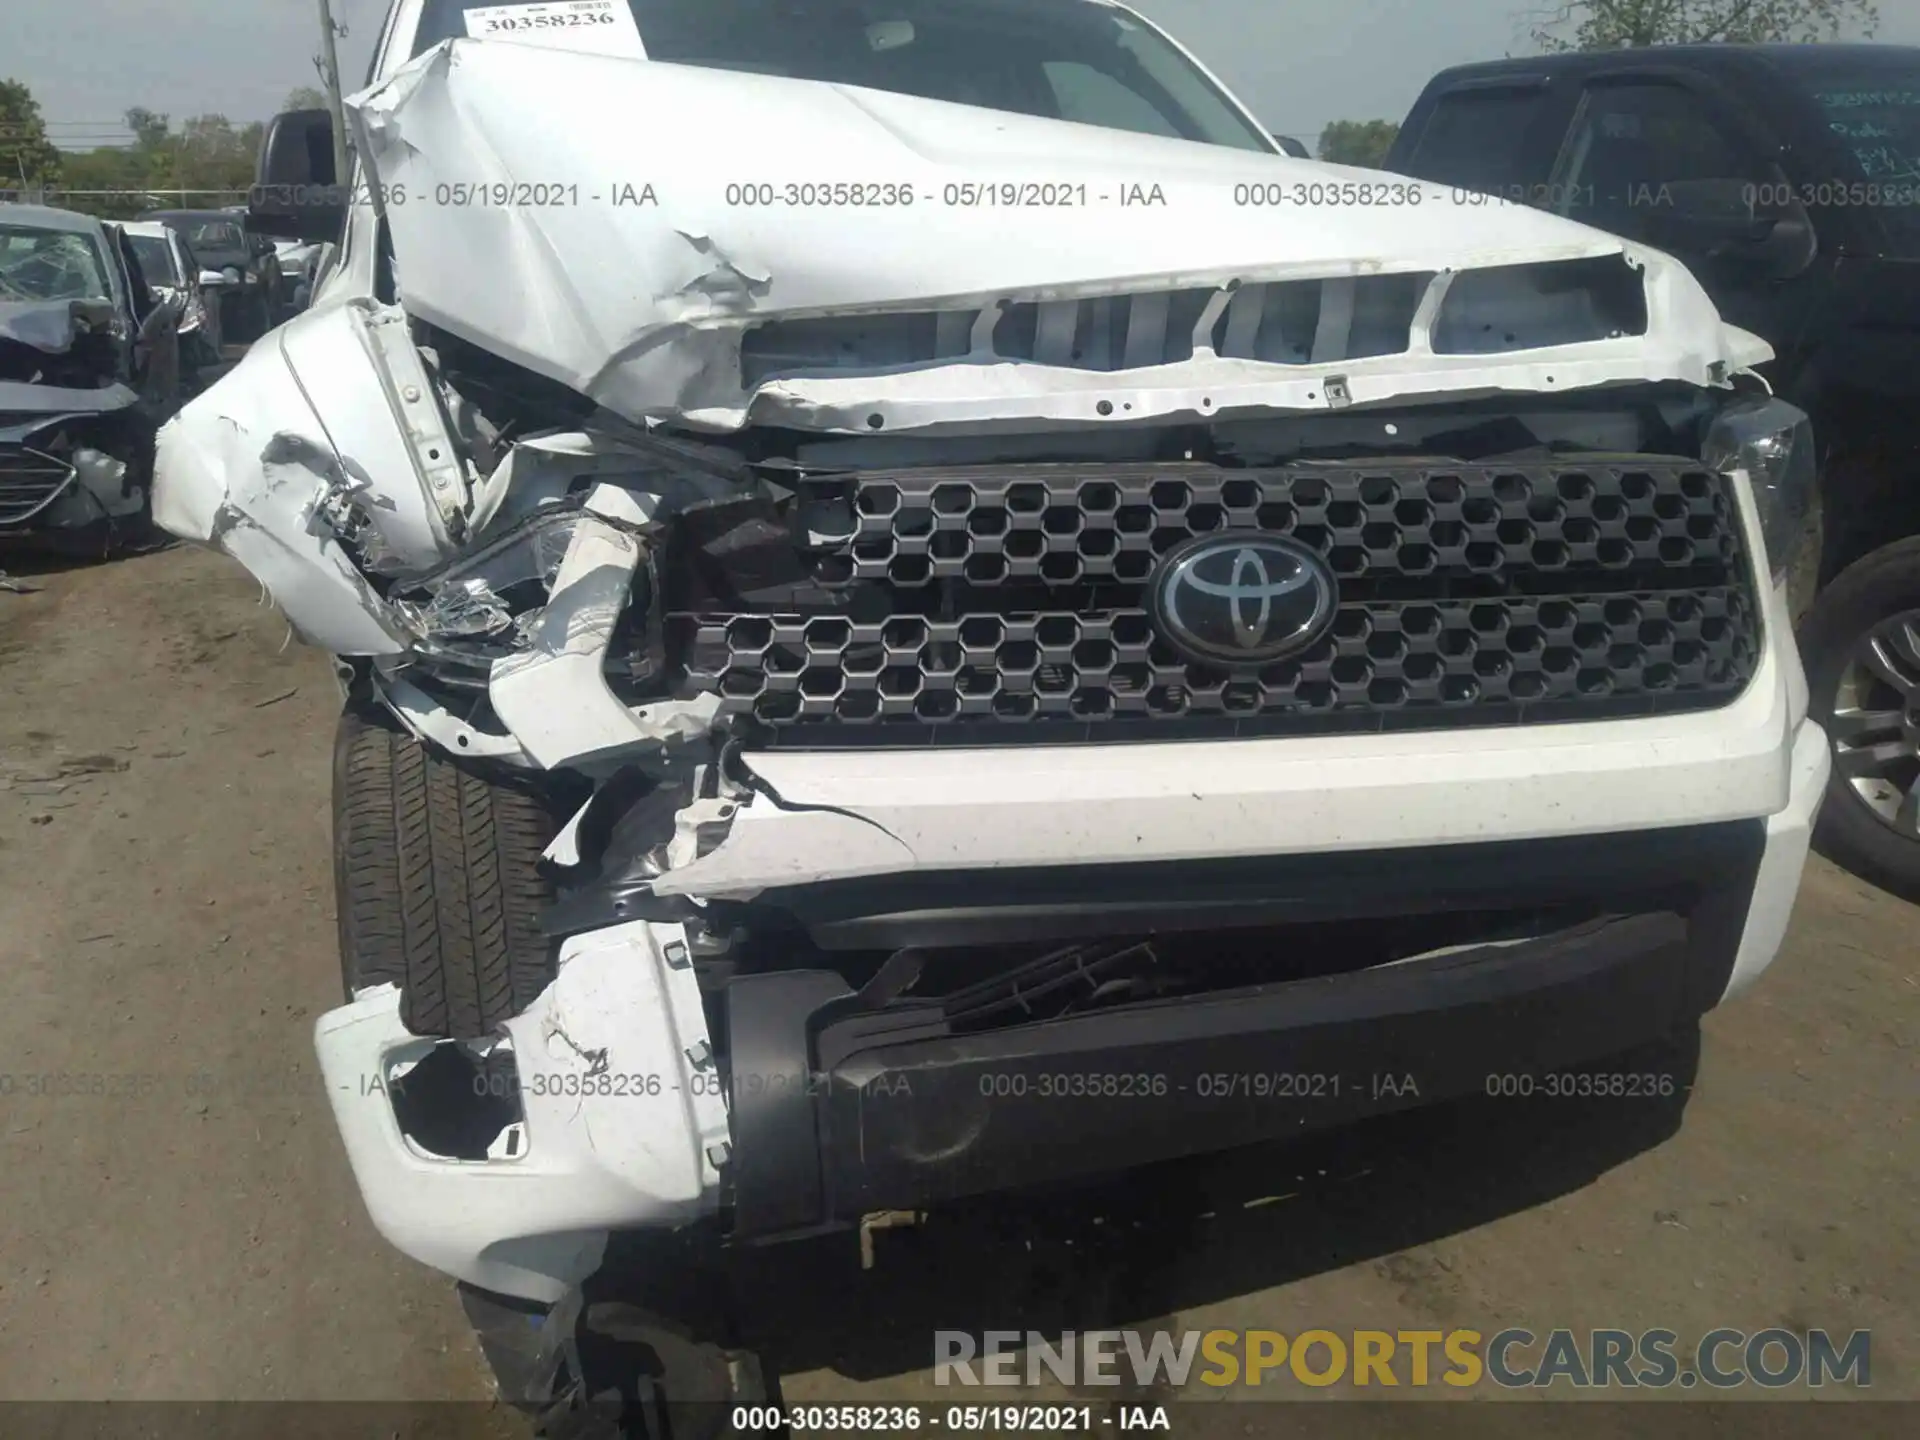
(776, 1156)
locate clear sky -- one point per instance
(1299, 63)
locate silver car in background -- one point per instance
(172, 271)
(299, 260)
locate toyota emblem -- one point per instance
(1241, 599)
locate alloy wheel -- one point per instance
(1875, 725)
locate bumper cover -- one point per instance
(619, 1127)
(45, 485)
(598, 1152)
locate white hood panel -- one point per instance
(569, 212)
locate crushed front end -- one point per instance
(1202, 685)
(76, 444)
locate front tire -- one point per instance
(1861, 642)
(437, 882)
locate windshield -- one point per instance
(156, 259)
(1061, 59)
(49, 265)
(1873, 111)
(215, 235)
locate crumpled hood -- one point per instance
(59, 357)
(572, 213)
(51, 326)
(43, 402)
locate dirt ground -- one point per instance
(181, 1223)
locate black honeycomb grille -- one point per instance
(974, 606)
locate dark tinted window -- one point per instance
(1062, 59)
(156, 258)
(1872, 110)
(1094, 97)
(215, 235)
(139, 286)
(1637, 152)
(1474, 138)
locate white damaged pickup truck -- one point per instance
(924, 613)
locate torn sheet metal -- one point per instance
(309, 465)
(600, 1154)
(250, 469)
(377, 409)
(541, 470)
(713, 242)
(430, 720)
(554, 696)
(323, 457)
(328, 430)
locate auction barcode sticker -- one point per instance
(600, 27)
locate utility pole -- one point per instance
(329, 62)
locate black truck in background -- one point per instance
(1787, 177)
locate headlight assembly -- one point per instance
(483, 606)
(480, 595)
(1773, 442)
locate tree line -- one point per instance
(207, 154)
